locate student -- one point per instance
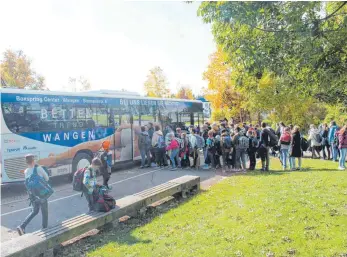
(265, 141)
(284, 144)
(241, 143)
(106, 161)
(174, 148)
(343, 147)
(144, 147)
(325, 141)
(316, 141)
(150, 130)
(211, 149)
(253, 145)
(184, 151)
(158, 142)
(296, 149)
(332, 132)
(226, 149)
(193, 145)
(89, 182)
(34, 201)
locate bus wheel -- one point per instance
(80, 161)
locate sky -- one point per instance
(112, 43)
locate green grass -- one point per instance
(276, 214)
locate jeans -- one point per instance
(284, 157)
(314, 150)
(36, 208)
(240, 154)
(293, 162)
(145, 153)
(195, 156)
(160, 157)
(252, 159)
(342, 161)
(226, 159)
(89, 198)
(335, 151)
(265, 160)
(327, 148)
(210, 156)
(174, 157)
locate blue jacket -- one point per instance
(332, 131)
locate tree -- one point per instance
(184, 92)
(78, 85)
(221, 91)
(156, 84)
(16, 71)
(303, 42)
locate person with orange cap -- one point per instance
(106, 160)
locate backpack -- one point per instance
(161, 142)
(200, 142)
(227, 142)
(285, 138)
(102, 201)
(318, 137)
(210, 144)
(304, 144)
(254, 142)
(37, 186)
(243, 142)
(272, 136)
(77, 182)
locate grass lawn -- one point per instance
(276, 214)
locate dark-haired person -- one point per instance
(37, 204)
(325, 141)
(265, 141)
(144, 147)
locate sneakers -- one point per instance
(173, 169)
(341, 168)
(20, 230)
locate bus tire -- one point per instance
(81, 160)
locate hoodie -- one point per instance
(173, 145)
(332, 131)
(313, 137)
(155, 137)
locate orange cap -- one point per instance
(106, 145)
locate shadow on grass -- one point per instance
(122, 232)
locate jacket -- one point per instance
(155, 137)
(264, 137)
(343, 140)
(296, 150)
(173, 145)
(332, 131)
(312, 136)
(144, 140)
(89, 180)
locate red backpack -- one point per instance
(286, 138)
(77, 183)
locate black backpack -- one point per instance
(272, 136)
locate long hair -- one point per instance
(343, 129)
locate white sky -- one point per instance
(112, 43)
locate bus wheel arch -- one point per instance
(81, 160)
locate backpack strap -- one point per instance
(35, 169)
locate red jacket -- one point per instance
(173, 145)
(342, 140)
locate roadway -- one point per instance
(66, 203)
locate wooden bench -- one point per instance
(36, 243)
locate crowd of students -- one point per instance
(236, 147)
(224, 145)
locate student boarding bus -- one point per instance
(65, 130)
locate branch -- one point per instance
(330, 15)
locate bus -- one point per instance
(65, 130)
